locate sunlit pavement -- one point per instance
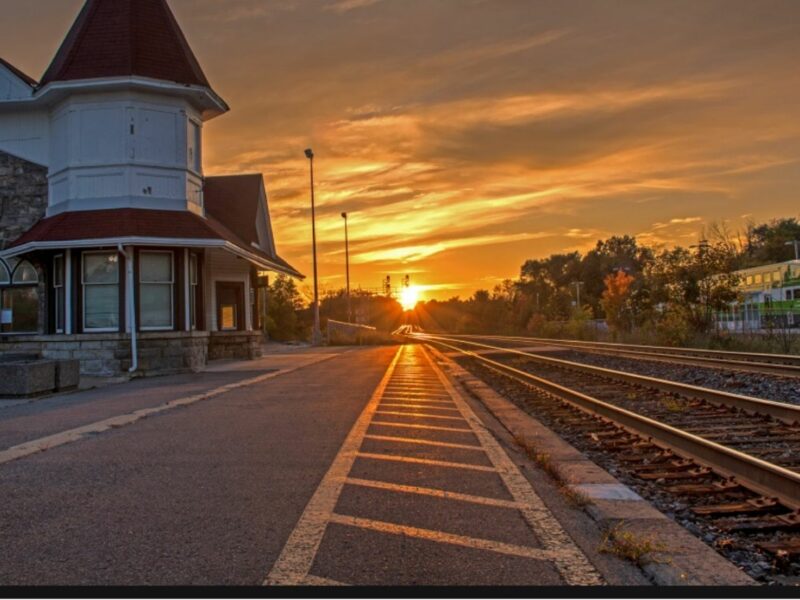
(362, 466)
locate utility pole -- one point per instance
(316, 333)
(705, 283)
(347, 263)
(578, 285)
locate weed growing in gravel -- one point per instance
(630, 546)
(545, 462)
(673, 405)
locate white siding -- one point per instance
(25, 134)
(121, 149)
(11, 87)
(157, 136)
(101, 135)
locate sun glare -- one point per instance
(409, 297)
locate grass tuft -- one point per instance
(545, 462)
(673, 405)
(630, 546)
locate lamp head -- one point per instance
(309, 153)
(344, 215)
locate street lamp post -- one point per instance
(796, 244)
(316, 333)
(347, 267)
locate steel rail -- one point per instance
(787, 413)
(753, 362)
(760, 476)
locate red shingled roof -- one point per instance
(120, 222)
(120, 38)
(138, 222)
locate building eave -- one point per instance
(210, 103)
(255, 259)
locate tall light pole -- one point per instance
(316, 333)
(578, 285)
(796, 244)
(347, 267)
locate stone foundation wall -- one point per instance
(235, 344)
(23, 196)
(109, 354)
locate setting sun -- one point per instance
(409, 297)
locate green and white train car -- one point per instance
(770, 298)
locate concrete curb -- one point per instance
(686, 560)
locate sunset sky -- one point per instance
(465, 136)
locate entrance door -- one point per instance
(230, 306)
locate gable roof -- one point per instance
(19, 74)
(123, 38)
(233, 200)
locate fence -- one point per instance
(348, 333)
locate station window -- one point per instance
(156, 283)
(20, 297)
(195, 147)
(100, 281)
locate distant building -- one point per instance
(110, 234)
(770, 297)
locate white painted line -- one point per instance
(416, 414)
(435, 493)
(78, 433)
(417, 426)
(405, 440)
(298, 554)
(425, 461)
(443, 538)
(572, 564)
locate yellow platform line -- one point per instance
(406, 440)
(442, 537)
(433, 492)
(416, 414)
(417, 426)
(418, 405)
(425, 461)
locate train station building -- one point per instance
(115, 248)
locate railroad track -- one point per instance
(786, 365)
(736, 457)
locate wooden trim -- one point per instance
(77, 292)
(178, 290)
(123, 287)
(200, 304)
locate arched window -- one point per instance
(19, 294)
(25, 274)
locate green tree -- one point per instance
(282, 305)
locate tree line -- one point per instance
(669, 293)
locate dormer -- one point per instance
(14, 84)
(125, 102)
